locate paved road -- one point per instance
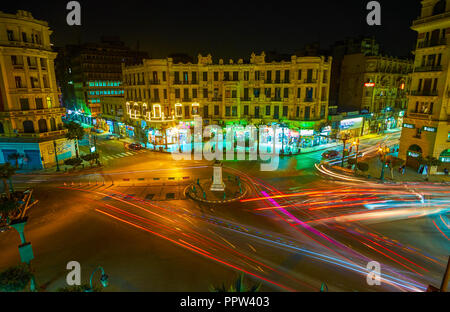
(296, 230)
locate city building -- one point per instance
(89, 71)
(30, 108)
(365, 45)
(375, 85)
(293, 93)
(426, 127)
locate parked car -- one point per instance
(330, 154)
(135, 146)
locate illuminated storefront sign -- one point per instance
(306, 132)
(354, 123)
(410, 126)
(413, 154)
(369, 84)
(429, 129)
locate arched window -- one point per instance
(42, 125)
(53, 124)
(439, 7)
(28, 126)
(2, 130)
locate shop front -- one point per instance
(352, 126)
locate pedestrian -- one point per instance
(420, 169)
(446, 171)
(403, 169)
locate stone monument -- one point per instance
(217, 184)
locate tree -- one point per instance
(238, 286)
(7, 208)
(75, 132)
(91, 157)
(74, 162)
(15, 278)
(15, 156)
(6, 172)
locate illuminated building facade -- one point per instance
(375, 85)
(87, 72)
(30, 109)
(291, 92)
(426, 128)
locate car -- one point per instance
(330, 154)
(135, 146)
(111, 137)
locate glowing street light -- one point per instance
(383, 151)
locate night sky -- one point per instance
(228, 29)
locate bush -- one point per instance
(15, 278)
(363, 166)
(74, 162)
(90, 157)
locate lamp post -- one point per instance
(25, 249)
(56, 156)
(383, 151)
(103, 279)
(356, 143)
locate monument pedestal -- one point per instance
(218, 185)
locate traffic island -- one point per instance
(201, 191)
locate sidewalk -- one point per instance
(410, 174)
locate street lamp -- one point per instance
(383, 151)
(356, 143)
(103, 279)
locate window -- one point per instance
(195, 108)
(49, 102)
(297, 112)
(256, 92)
(233, 94)
(28, 126)
(24, 37)
(157, 111)
(286, 93)
(177, 93)
(246, 75)
(185, 77)
(256, 111)
(165, 94)
(164, 76)
(42, 124)
(268, 110)
(18, 82)
(267, 92)
(216, 76)
(226, 76)
(299, 74)
(257, 75)
(156, 94)
(39, 103)
(185, 94)
(287, 77)
(276, 112)
(205, 112)
(216, 110)
(178, 110)
(10, 35)
(227, 111)
(205, 76)
(285, 111)
(299, 92)
(234, 111)
(235, 75)
(194, 93)
(245, 110)
(186, 112)
(24, 105)
(205, 93)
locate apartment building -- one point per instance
(30, 108)
(426, 127)
(90, 71)
(292, 92)
(375, 85)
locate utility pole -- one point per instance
(56, 156)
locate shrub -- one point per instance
(15, 278)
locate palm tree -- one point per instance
(6, 172)
(15, 156)
(238, 286)
(75, 132)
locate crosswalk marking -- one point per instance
(124, 154)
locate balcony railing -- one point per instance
(309, 100)
(431, 43)
(415, 114)
(310, 80)
(42, 134)
(428, 68)
(155, 81)
(424, 93)
(267, 81)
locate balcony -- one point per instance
(310, 81)
(217, 99)
(38, 135)
(431, 18)
(176, 82)
(415, 114)
(186, 99)
(194, 81)
(245, 99)
(267, 81)
(155, 81)
(276, 99)
(55, 110)
(431, 43)
(428, 69)
(424, 93)
(309, 100)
